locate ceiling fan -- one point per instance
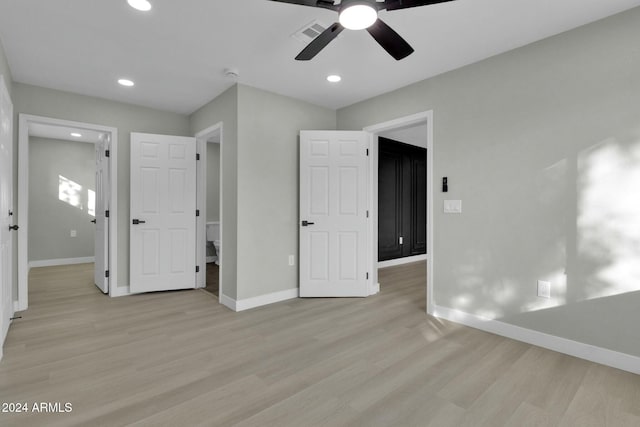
(360, 15)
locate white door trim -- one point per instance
(23, 200)
(201, 203)
(425, 117)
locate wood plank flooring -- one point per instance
(181, 359)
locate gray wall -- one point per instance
(260, 178)
(4, 69)
(542, 144)
(224, 109)
(268, 129)
(213, 181)
(125, 117)
(51, 219)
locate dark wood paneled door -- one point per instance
(402, 200)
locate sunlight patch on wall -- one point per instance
(608, 217)
(70, 192)
(91, 202)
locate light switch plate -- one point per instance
(453, 206)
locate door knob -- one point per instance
(138, 221)
(307, 223)
(93, 221)
(13, 227)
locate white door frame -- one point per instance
(425, 117)
(23, 200)
(201, 203)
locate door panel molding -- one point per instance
(333, 214)
(162, 227)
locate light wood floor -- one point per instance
(181, 359)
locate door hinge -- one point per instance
(367, 276)
(197, 269)
(367, 151)
(197, 156)
(106, 153)
(106, 273)
(367, 214)
(197, 212)
(106, 214)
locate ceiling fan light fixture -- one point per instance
(141, 5)
(358, 15)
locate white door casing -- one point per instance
(6, 211)
(333, 202)
(101, 251)
(163, 213)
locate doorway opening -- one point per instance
(67, 203)
(209, 201)
(415, 130)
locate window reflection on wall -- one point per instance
(71, 193)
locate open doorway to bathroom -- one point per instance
(209, 221)
(213, 218)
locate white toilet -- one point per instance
(213, 235)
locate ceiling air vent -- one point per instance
(310, 31)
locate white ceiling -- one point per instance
(177, 53)
(63, 133)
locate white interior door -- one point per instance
(6, 211)
(101, 251)
(333, 214)
(163, 212)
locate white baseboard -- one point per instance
(374, 288)
(249, 303)
(61, 261)
(600, 355)
(227, 302)
(400, 261)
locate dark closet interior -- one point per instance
(402, 200)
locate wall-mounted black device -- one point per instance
(445, 185)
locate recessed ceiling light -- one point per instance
(76, 134)
(142, 5)
(126, 82)
(334, 78)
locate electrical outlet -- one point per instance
(544, 289)
(292, 260)
(73, 233)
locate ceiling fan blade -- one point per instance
(320, 42)
(390, 40)
(324, 4)
(405, 4)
